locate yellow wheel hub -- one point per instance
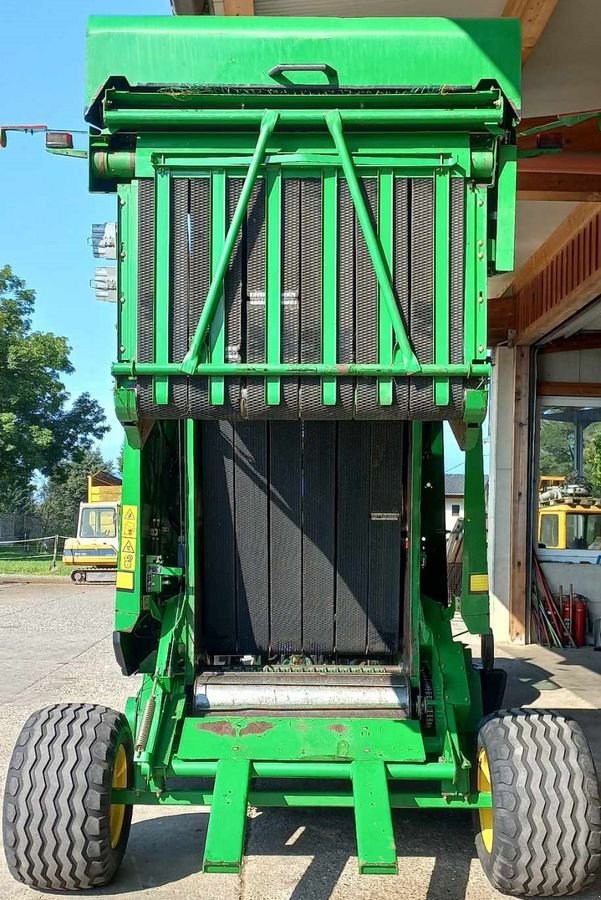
(485, 815)
(119, 781)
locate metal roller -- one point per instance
(280, 692)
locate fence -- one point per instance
(31, 555)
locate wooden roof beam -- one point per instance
(534, 16)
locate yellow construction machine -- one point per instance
(93, 552)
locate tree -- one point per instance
(557, 455)
(592, 456)
(62, 492)
(38, 430)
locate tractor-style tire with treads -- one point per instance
(60, 830)
(543, 835)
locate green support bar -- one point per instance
(162, 282)
(442, 193)
(191, 359)
(304, 799)
(386, 235)
(329, 316)
(469, 320)
(224, 845)
(404, 349)
(217, 326)
(130, 370)
(376, 847)
(273, 305)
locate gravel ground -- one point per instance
(55, 645)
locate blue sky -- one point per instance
(47, 212)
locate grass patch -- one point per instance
(13, 562)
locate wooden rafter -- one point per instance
(238, 7)
(556, 241)
(534, 16)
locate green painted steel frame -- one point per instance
(388, 763)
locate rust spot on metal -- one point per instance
(223, 729)
(342, 368)
(256, 728)
(339, 728)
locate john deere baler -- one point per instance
(308, 211)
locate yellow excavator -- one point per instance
(93, 552)
(569, 519)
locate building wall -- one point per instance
(571, 365)
(450, 516)
(499, 498)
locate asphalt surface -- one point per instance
(55, 645)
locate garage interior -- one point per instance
(544, 317)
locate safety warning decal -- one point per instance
(129, 520)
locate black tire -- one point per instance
(546, 816)
(57, 803)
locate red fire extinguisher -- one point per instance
(573, 613)
(579, 622)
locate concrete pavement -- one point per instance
(55, 645)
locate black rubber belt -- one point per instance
(285, 536)
(200, 271)
(255, 306)
(366, 309)
(145, 349)
(319, 535)
(384, 604)
(290, 296)
(179, 289)
(218, 619)
(252, 531)
(352, 537)
(345, 336)
(457, 286)
(311, 293)
(421, 390)
(233, 301)
(401, 275)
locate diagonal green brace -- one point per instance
(405, 353)
(376, 848)
(224, 846)
(192, 357)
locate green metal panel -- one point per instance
(273, 305)
(162, 282)
(274, 738)
(235, 51)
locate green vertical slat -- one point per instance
(415, 543)
(217, 329)
(385, 333)
(469, 323)
(127, 237)
(442, 186)
(274, 283)
(376, 849)
(161, 281)
(191, 430)
(329, 319)
(227, 822)
(481, 271)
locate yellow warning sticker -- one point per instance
(125, 581)
(128, 561)
(478, 584)
(130, 521)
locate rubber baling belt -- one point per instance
(299, 553)
(301, 292)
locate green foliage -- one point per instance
(38, 430)
(63, 491)
(592, 456)
(557, 448)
